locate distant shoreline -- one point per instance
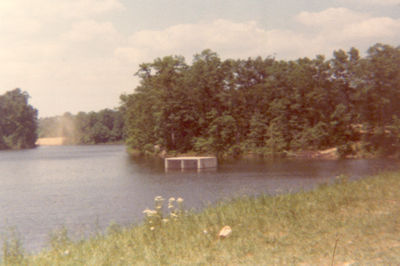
(61, 141)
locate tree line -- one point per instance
(232, 107)
(267, 106)
(18, 121)
(104, 126)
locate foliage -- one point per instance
(84, 128)
(18, 121)
(264, 105)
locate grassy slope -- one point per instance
(361, 218)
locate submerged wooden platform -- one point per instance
(185, 163)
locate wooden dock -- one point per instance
(185, 163)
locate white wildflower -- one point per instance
(149, 212)
(158, 199)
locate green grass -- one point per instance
(347, 223)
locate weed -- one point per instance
(13, 252)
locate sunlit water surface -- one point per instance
(86, 188)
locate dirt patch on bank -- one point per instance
(51, 141)
(323, 154)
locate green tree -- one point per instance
(380, 95)
(18, 121)
(158, 113)
(85, 128)
(271, 106)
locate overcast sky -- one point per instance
(80, 55)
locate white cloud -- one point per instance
(63, 50)
(79, 8)
(316, 33)
(60, 9)
(331, 17)
(230, 39)
(19, 26)
(373, 28)
(341, 28)
(89, 30)
(372, 2)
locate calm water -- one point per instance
(85, 188)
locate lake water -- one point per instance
(86, 188)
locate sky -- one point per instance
(81, 55)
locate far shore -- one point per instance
(60, 141)
(327, 154)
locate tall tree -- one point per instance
(380, 94)
(18, 121)
(271, 106)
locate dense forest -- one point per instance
(18, 121)
(230, 107)
(267, 106)
(104, 126)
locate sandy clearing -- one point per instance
(50, 141)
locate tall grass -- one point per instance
(13, 252)
(347, 222)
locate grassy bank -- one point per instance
(349, 222)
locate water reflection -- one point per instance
(190, 171)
